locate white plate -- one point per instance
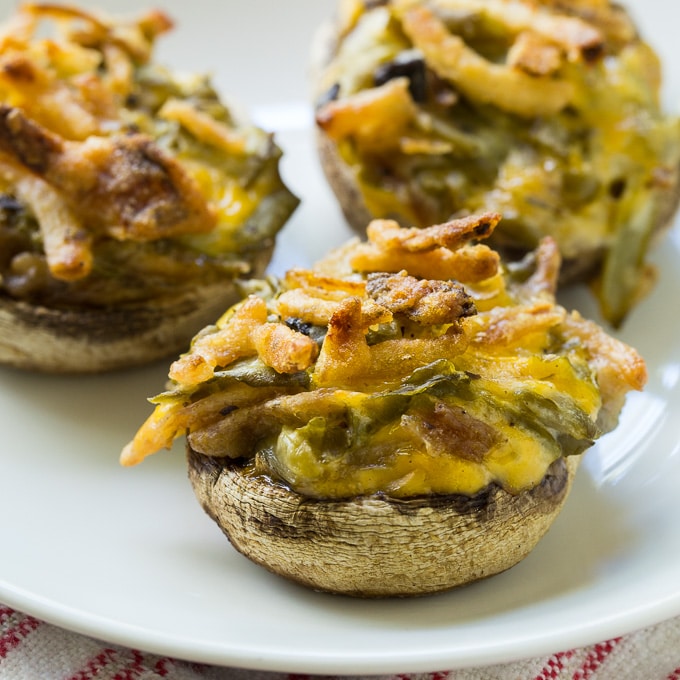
(127, 555)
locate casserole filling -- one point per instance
(415, 363)
(121, 181)
(545, 112)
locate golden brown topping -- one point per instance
(32, 73)
(618, 366)
(437, 252)
(123, 185)
(204, 127)
(375, 117)
(283, 348)
(422, 301)
(94, 29)
(309, 306)
(57, 148)
(454, 234)
(349, 306)
(233, 340)
(101, 146)
(329, 285)
(507, 88)
(534, 55)
(346, 360)
(46, 98)
(345, 355)
(546, 260)
(504, 92)
(317, 306)
(67, 244)
(172, 421)
(467, 265)
(571, 33)
(409, 378)
(314, 297)
(608, 17)
(507, 327)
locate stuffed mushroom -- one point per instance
(404, 417)
(131, 197)
(547, 112)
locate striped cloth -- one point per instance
(33, 650)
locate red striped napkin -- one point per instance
(31, 649)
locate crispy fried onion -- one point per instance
(422, 301)
(90, 28)
(573, 34)
(617, 366)
(67, 243)
(124, 186)
(349, 306)
(610, 18)
(245, 333)
(508, 327)
(377, 118)
(438, 252)
(534, 55)
(452, 235)
(508, 88)
(314, 297)
(210, 131)
(529, 82)
(347, 360)
(61, 82)
(172, 419)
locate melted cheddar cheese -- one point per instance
(358, 377)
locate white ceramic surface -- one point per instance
(127, 555)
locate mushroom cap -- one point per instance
(96, 340)
(377, 546)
